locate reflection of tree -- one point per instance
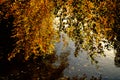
(6, 26)
(89, 23)
(77, 49)
(116, 29)
(117, 59)
(39, 69)
(117, 54)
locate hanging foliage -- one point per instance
(33, 28)
(90, 22)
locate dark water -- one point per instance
(63, 65)
(82, 64)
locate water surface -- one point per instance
(82, 63)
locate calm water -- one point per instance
(82, 64)
(64, 65)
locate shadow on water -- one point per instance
(49, 68)
(117, 54)
(117, 59)
(117, 31)
(6, 42)
(39, 69)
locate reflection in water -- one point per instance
(71, 61)
(82, 63)
(117, 55)
(64, 65)
(117, 59)
(40, 69)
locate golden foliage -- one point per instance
(92, 21)
(33, 27)
(2, 1)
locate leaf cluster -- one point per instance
(33, 28)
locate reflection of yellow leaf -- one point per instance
(90, 4)
(26, 58)
(108, 29)
(90, 16)
(98, 29)
(85, 65)
(104, 20)
(72, 68)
